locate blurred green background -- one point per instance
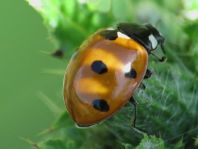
(23, 37)
(31, 105)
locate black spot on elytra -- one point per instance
(99, 67)
(131, 74)
(109, 34)
(101, 105)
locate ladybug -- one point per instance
(104, 73)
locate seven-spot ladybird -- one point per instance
(105, 71)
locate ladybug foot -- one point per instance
(148, 74)
(133, 101)
(142, 86)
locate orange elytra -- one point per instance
(106, 70)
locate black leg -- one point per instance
(142, 86)
(132, 100)
(148, 74)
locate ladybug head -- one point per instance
(155, 38)
(147, 35)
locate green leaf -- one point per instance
(190, 5)
(69, 7)
(63, 121)
(151, 142)
(179, 145)
(53, 144)
(127, 146)
(196, 142)
(122, 9)
(100, 5)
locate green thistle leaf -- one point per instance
(151, 142)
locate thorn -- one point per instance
(47, 131)
(139, 131)
(51, 105)
(35, 145)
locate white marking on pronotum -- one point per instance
(121, 35)
(153, 41)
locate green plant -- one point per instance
(167, 109)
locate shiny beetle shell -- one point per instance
(102, 76)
